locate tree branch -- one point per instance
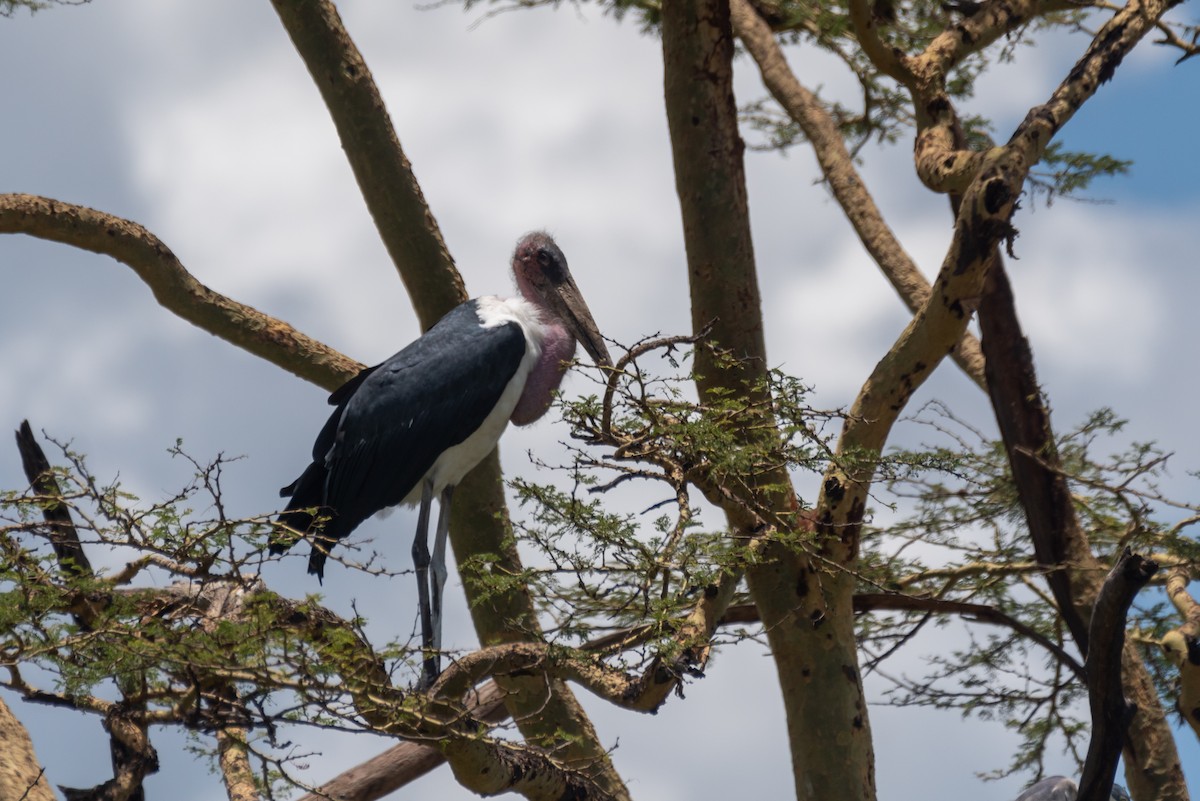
(1187, 606)
(382, 775)
(811, 647)
(64, 538)
(548, 716)
(1182, 647)
(943, 163)
(403, 763)
(234, 761)
(983, 221)
(1024, 423)
(1111, 714)
(174, 287)
(837, 165)
(977, 31)
(1108, 48)
(1059, 543)
(133, 758)
(887, 59)
(982, 613)
(385, 177)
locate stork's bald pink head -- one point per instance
(542, 276)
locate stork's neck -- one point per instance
(557, 348)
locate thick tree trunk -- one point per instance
(808, 620)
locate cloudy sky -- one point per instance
(199, 121)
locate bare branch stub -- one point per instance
(62, 532)
(1111, 713)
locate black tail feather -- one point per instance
(307, 495)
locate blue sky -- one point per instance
(199, 121)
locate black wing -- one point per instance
(393, 421)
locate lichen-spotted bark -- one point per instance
(20, 774)
(929, 336)
(808, 617)
(236, 770)
(981, 224)
(841, 503)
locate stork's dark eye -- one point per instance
(552, 268)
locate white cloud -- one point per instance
(1092, 284)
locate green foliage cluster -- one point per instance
(648, 441)
(187, 633)
(960, 536)
(952, 532)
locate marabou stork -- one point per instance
(410, 428)
(1060, 788)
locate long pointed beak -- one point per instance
(570, 307)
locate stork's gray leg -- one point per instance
(420, 554)
(439, 564)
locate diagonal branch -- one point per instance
(174, 287)
(547, 715)
(837, 165)
(64, 537)
(385, 177)
(401, 764)
(983, 221)
(133, 757)
(1024, 422)
(974, 32)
